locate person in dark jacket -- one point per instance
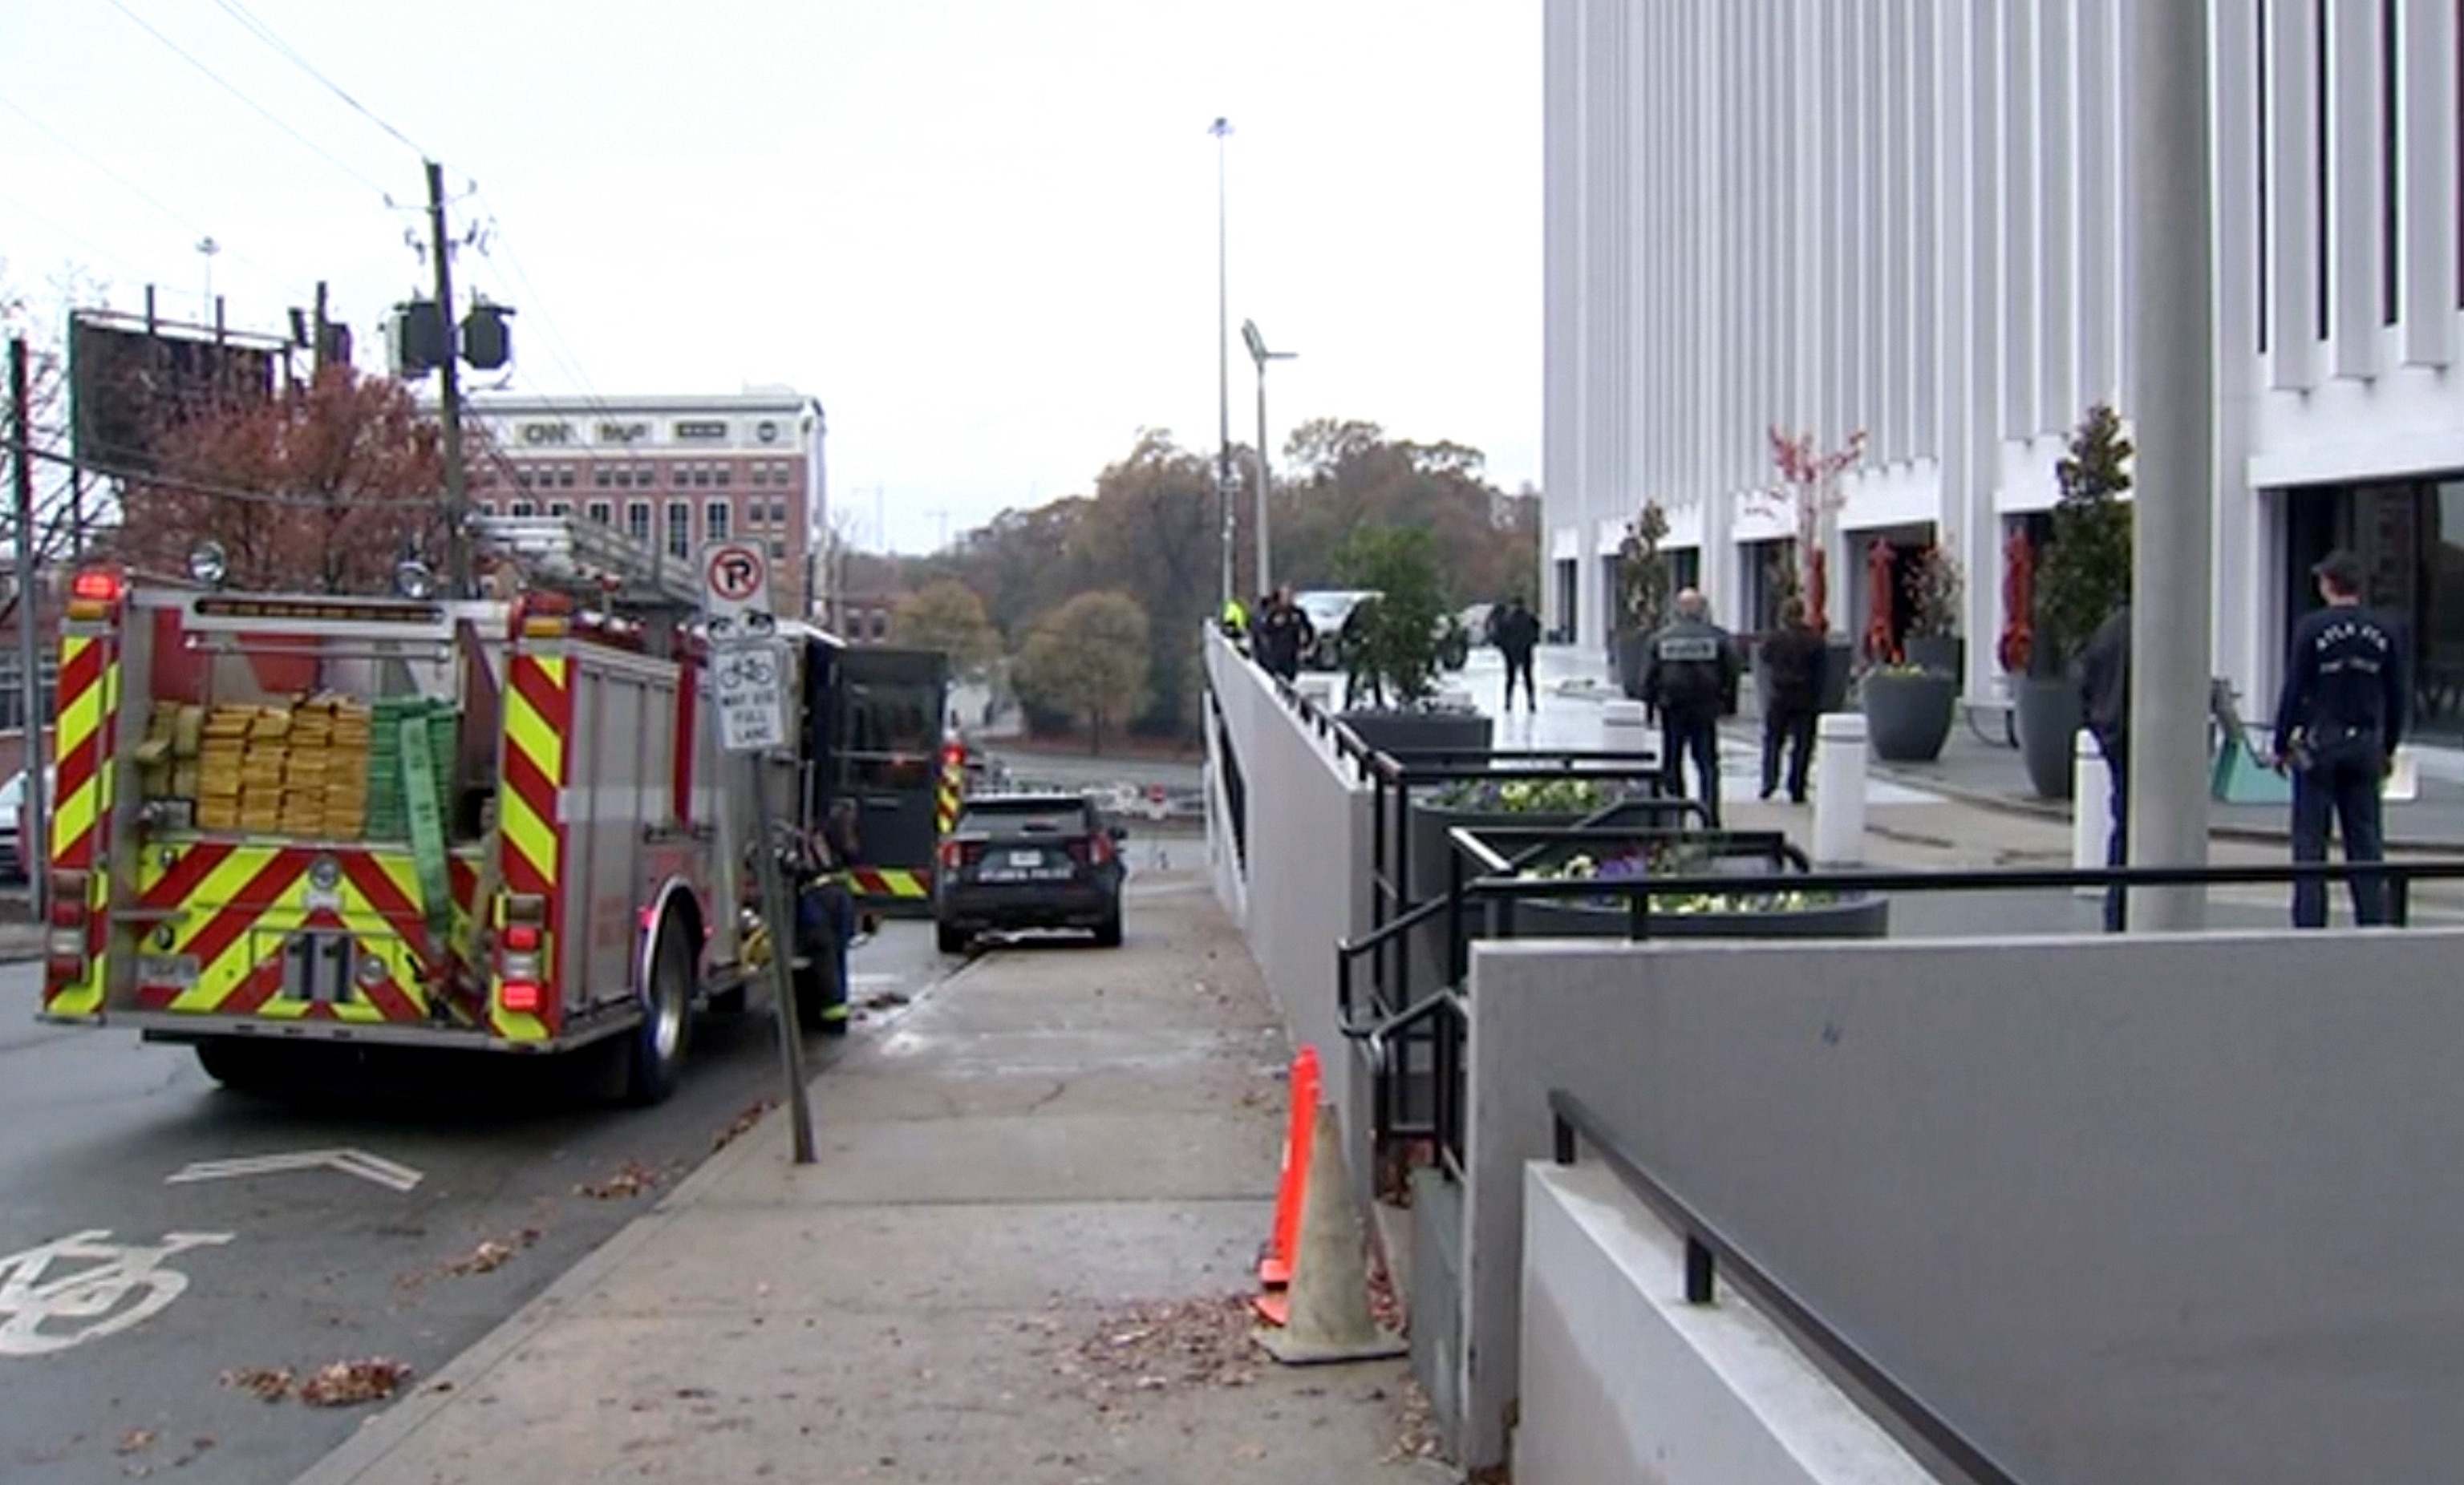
(2105, 708)
(1690, 676)
(1793, 660)
(2338, 720)
(1281, 635)
(1516, 634)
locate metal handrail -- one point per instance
(1708, 1250)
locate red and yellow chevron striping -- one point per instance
(539, 715)
(88, 709)
(243, 911)
(887, 882)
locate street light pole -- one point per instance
(2171, 580)
(1259, 354)
(1221, 128)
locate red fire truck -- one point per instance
(496, 824)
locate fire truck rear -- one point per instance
(494, 824)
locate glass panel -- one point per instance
(2438, 652)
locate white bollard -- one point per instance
(2091, 806)
(1625, 726)
(1839, 790)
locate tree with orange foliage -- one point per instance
(323, 490)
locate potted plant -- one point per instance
(1762, 905)
(2080, 576)
(1642, 594)
(1396, 644)
(1908, 709)
(1934, 590)
(1808, 493)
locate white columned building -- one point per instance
(1906, 218)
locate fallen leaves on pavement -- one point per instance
(1171, 1344)
(492, 1255)
(1417, 1437)
(632, 1179)
(344, 1384)
(135, 1439)
(743, 1122)
(269, 1384)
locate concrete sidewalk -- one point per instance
(1020, 1256)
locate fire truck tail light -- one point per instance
(952, 854)
(68, 900)
(96, 585)
(522, 938)
(521, 997)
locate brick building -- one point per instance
(675, 471)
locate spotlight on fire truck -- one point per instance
(413, 578)
(210, 565)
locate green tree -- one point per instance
(2085, 572)
(947, 616)
(1399, 642)
(1091, 658)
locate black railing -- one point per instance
(1708, 1252)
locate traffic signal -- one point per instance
(487, 336)
(420, 338)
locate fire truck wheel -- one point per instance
(657, 1046)
(241, 1066)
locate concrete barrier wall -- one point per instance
(2148, 1209)
(1622, 1380)
(1305, 885)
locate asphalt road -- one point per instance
(305, 1268)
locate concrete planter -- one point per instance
(1404, 731)
(1946, 653)
(1907, 717)
(1858, 915)
(2049, 718)
(1628, 656)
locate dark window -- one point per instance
(715, 520)
(722, 475)
(602, 512)
(680, 528)
(602, 476)
(637, 519)
(524, 508)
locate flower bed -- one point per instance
(1761, 906)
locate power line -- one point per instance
(345, 167)
(290, 54)
(68, 231)
(142, 193)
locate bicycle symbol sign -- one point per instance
(736, 577)
(747, 690)
(119, 1286)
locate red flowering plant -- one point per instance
(1809, 492)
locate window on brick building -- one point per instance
(524, 508)
(680, 528)
(714, 521)
(719, 477)
(559, 508)
(602, 512)
(637, 519)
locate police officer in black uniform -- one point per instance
(1690, 676)
(2337, 724)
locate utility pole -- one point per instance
(2172, 579)
(1221, 128)
(457, 540)
(33, 818)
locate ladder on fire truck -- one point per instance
(591, 560)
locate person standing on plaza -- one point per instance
(1282, 635)
(1690, 676)
(1793, 660)
(1516, 634)
(2338, 720)
(2105, 708)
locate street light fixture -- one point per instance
(1221, 129)
(1259, 354)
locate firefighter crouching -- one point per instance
(826, 919)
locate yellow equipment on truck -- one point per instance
(494, 824)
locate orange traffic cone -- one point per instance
(1275, 1267)
(1324, 1315)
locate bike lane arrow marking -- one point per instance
(349, 1161)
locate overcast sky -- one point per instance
(981, 233)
